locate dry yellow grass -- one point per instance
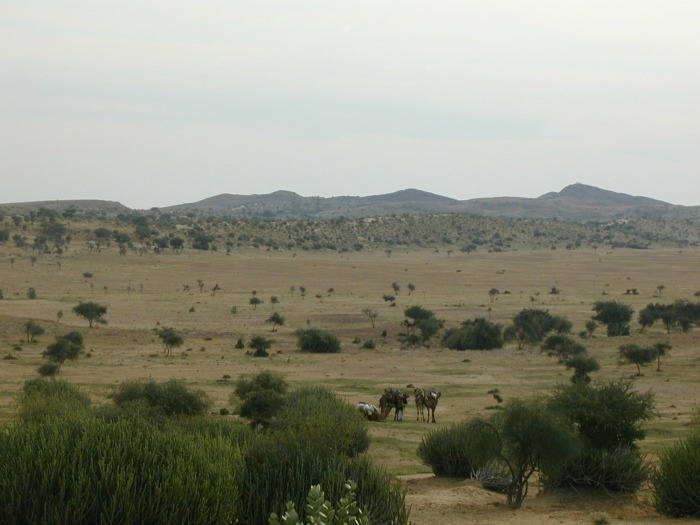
(142, 292)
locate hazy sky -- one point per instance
(154, 102)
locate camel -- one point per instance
(419, 396)
(393, 399)
(431, 401)
(371, 412)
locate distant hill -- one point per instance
(578, 202)
(63, 205)
(574, 202)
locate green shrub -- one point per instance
(318, 417)
(475, 334)
(317, 341)
(41, 398)
(676, 482)
(609, 419)
(168, 399)
(278, 469)
(619, 470)
(260, 398)
(450, 451)
(265, 380)
(87, 471)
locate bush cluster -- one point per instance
(124, 466)
(475, 334)
(168, 399)
(449, 451)
(317, 341)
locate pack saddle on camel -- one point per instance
(393, 399)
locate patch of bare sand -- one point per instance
(448, 501)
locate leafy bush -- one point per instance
(609, 419)
(317, 341)
(475, 334)
(676, 483)
(168, 399)
(451, 452)
(318, 417)
(87, 470)
(619, 470)
(608, 415)
(41, 399)
(278, 469)
(260, 398)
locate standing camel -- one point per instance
(419, 396)
(431, 401)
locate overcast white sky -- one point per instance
(155, 102)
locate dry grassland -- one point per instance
(142, 292)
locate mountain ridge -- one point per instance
(580, 202)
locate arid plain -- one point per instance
(143, 292)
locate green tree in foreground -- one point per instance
(525, 437)
(92, 312)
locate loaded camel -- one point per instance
(427, 400)
(393, 398)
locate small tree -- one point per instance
(396, 287)
(275, 320)
(66, 347)
(33, 330)
(661, 349)
(274, 300)
(526, 437)
(170, 338)
(420, 324)
(371, 315)
(389, 299)
(92, 312)
(531, 326)
(411, 288)
(591, 326)
(493, 292)
(254, 302)
(616, 316)
(583, 366)
(562, 346)
(260, 345)
(635, 354)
